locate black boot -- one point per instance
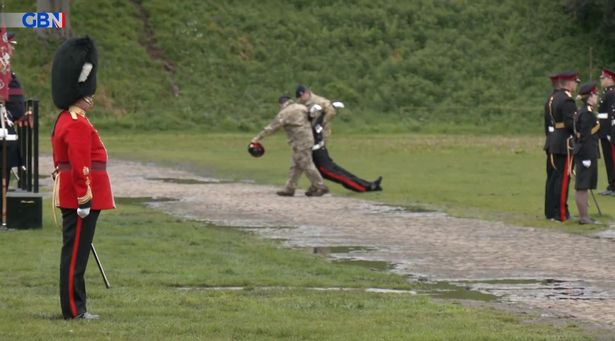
(375, 186)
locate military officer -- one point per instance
(586, 149)
(293, 117)
(548, 127)
(82, 187)
(308, 98)
(560, 109)
(606, 114)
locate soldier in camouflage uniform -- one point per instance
(308, 98)
(293, 117)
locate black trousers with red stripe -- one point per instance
(548, 194)
(558, 183)
(77, 236)
(608, 153)
(331, 171)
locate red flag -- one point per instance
(5, 64)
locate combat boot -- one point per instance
(318, 192)
(286, 192)
(311, 191)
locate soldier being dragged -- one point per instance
(321, 112)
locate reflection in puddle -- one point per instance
(483, 290)
(452, 291)
(370, 264)
(189, 181)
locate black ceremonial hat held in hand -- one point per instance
(256, 149)
(73, 74)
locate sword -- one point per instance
(596, 202)
(100, 267)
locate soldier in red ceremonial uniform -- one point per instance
(82, 187)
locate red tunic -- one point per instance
(80, 158)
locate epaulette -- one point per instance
(75, 112)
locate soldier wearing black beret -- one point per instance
(586, 149)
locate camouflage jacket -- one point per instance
(327, 110)
(294, 119)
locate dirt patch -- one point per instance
(557, 273)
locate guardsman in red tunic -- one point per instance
(82, 187)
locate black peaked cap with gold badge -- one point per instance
(73, 74)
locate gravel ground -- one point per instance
(559, 274)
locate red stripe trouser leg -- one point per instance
(77, 235)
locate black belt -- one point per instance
(97, 166)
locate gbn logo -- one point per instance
(43, 20)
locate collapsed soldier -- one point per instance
(293, 117)
(321, 112)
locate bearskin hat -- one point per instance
(73, 74)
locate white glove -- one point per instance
(83, 212)
(338, 105)
(586, 163)
(315, 108)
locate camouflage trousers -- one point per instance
(302, 162)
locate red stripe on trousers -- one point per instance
(343, 179)
(71, 271)
(563, 196)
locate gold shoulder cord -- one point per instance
(56, 195)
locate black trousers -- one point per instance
(556, 190)
(548, 194)
(608, 153)
(331, 171)
(77, 236)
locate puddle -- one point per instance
(141, 200)
(400, 210)
(264, 288)
(370, 264)
(417, 209)
(482, 290)
(448, 290)
(607, 234)
(189, 181)
(340, 249)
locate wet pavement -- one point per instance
(555, 272)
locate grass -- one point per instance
(428, 66)
(149, 255)
(488, 177)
